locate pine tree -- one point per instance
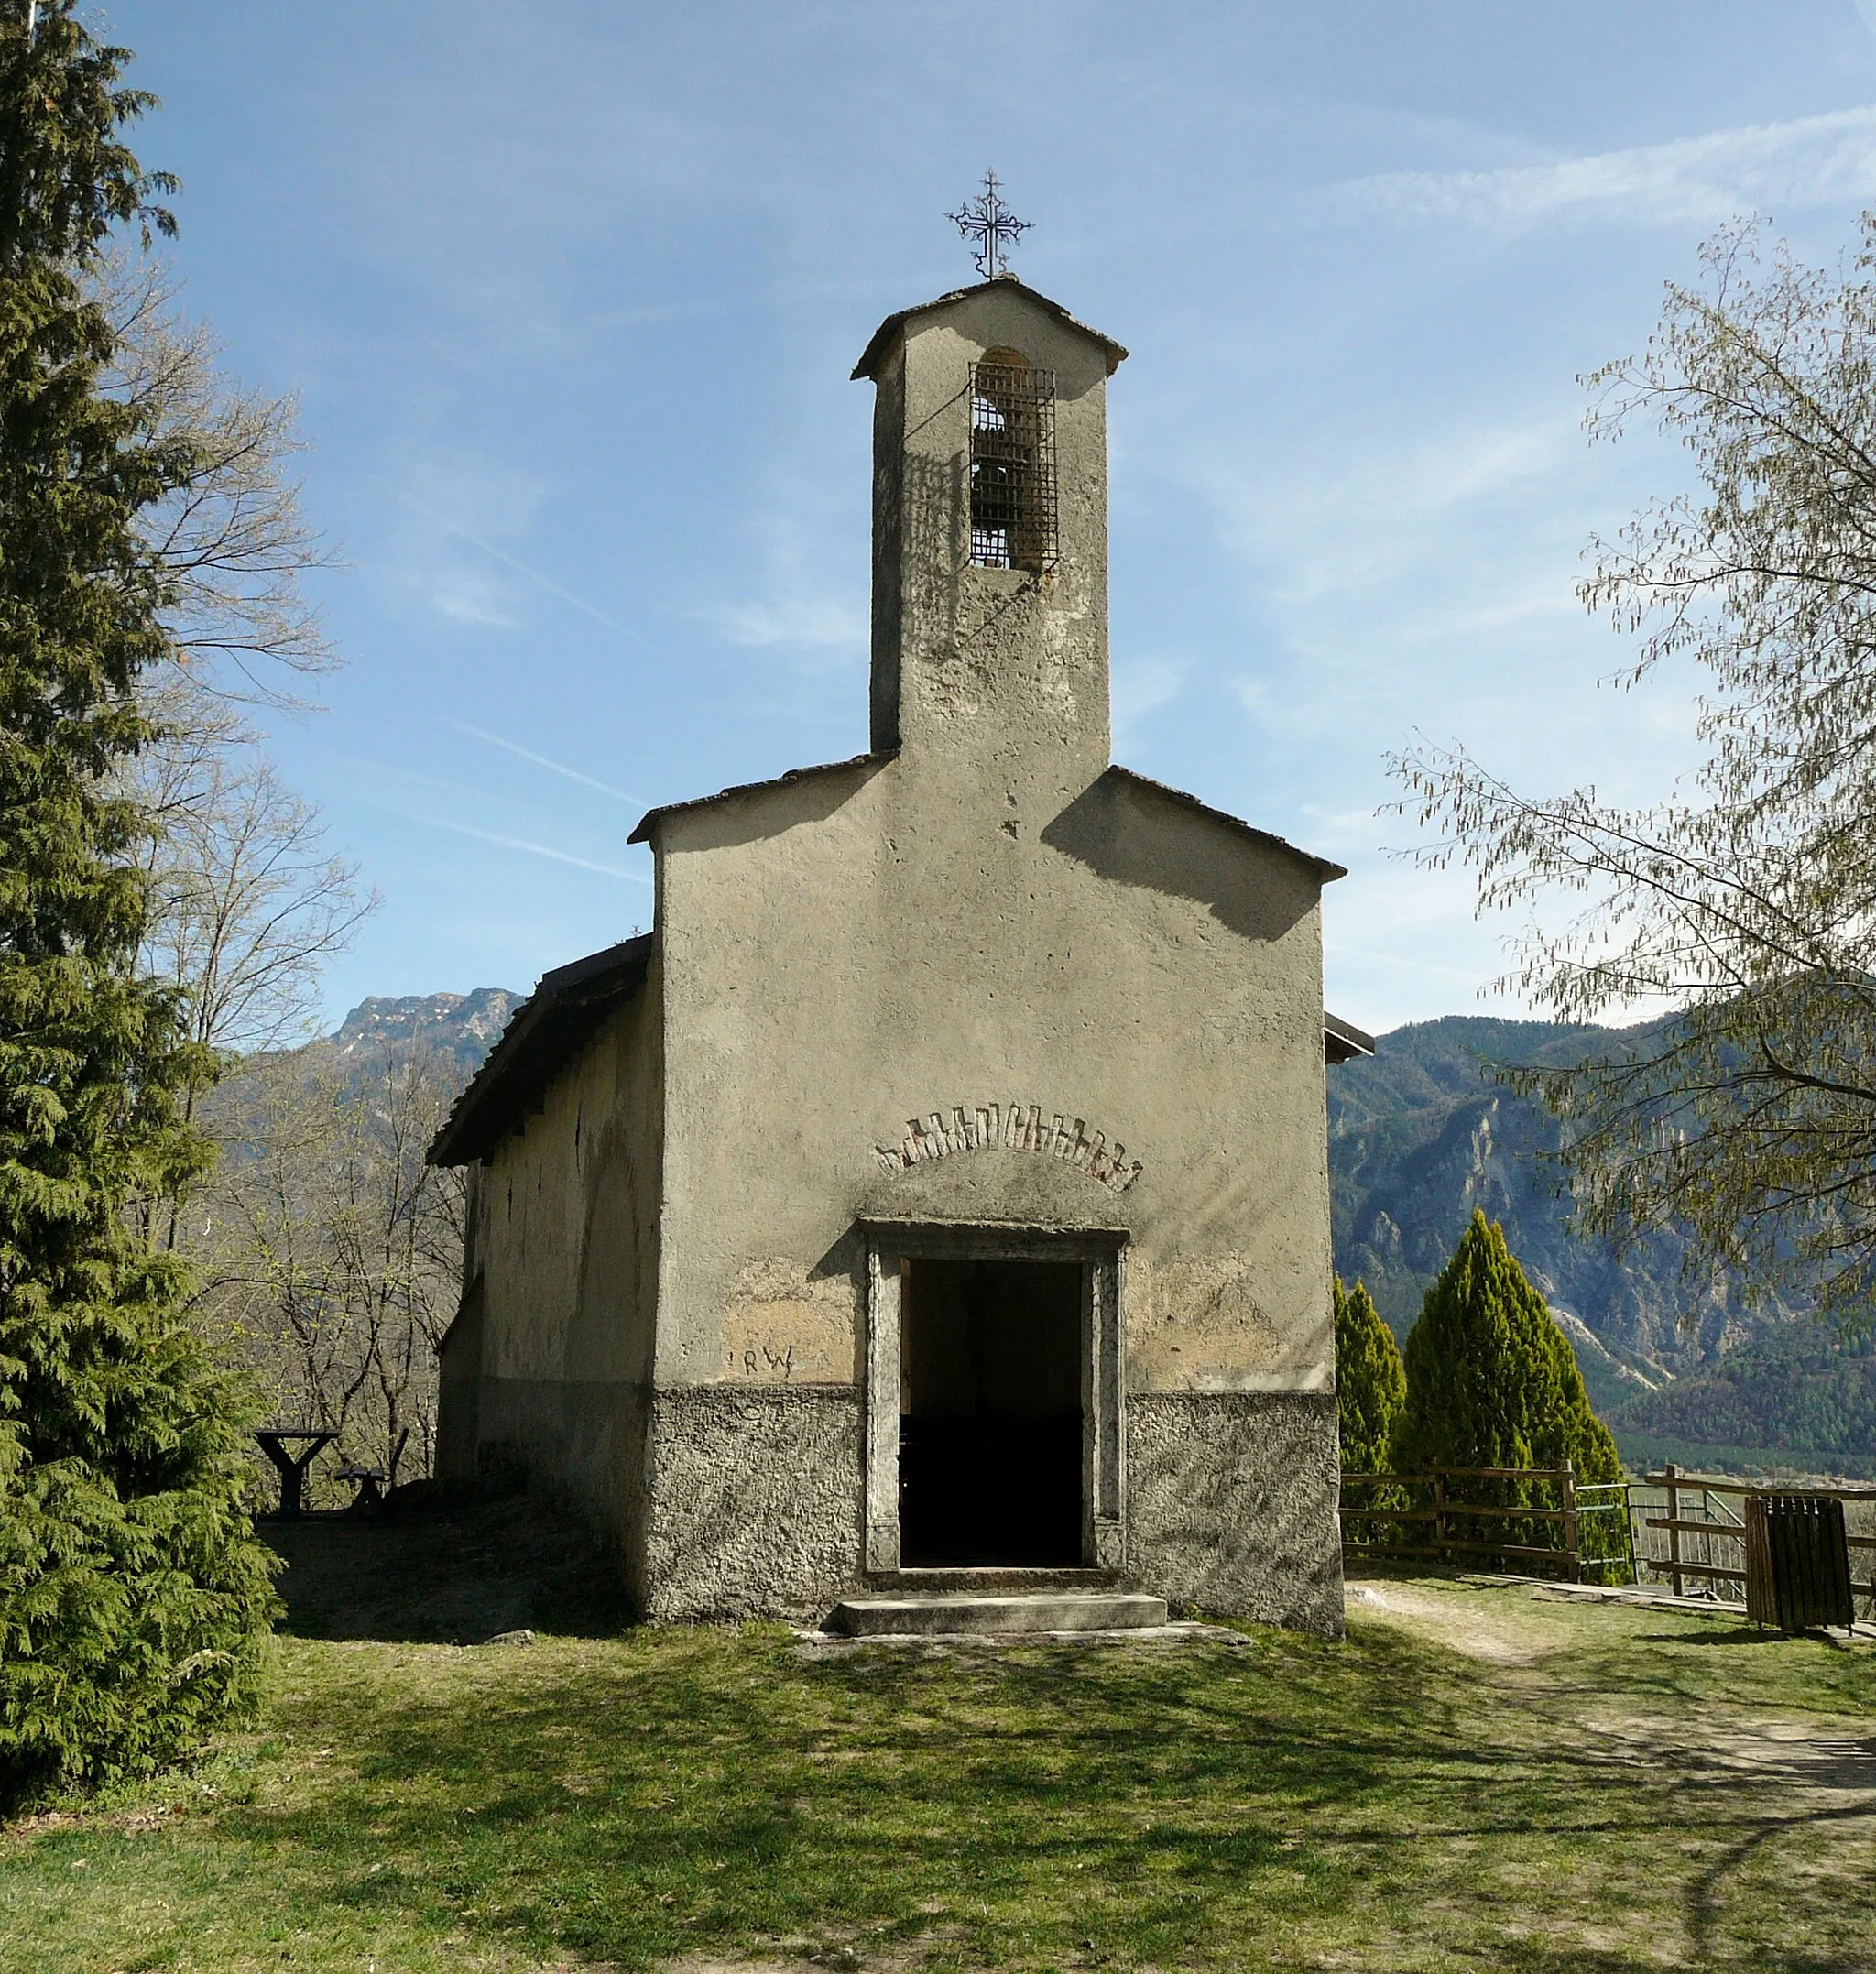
(1370, 1382)
(134, 1599)
(1492, 1381)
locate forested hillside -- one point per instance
(1422, 1133)
(1797, 1390)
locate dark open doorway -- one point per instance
(990, 1423)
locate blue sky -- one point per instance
(570, 295)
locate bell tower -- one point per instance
(990, 538)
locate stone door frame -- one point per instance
(1099, 1250)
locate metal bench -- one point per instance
(370, 1483)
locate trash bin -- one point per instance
(1797, 1561)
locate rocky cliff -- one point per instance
(467, 1026)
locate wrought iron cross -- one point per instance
(992, 225)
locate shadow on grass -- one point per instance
(675, 1793)
(446, 1565)
(1738, 1634)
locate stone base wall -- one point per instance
(1231, 1504)
(754, 1502)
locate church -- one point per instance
(938, 1195)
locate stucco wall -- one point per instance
(868, 970)
(565, 1242)
(847, 955)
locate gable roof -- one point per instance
(874, 354)
(652, 817)
(544, 1034)
(1326, 871)
(569, 1004)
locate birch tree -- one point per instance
(1746, 899)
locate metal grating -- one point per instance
(1013, 508)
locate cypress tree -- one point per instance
(134, 1599)
(1370, 1383)
(1492, 1381)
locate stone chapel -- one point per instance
(938, 1195)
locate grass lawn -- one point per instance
(1476, 1778)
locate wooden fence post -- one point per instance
(1439, 1506)
(1566, 1484)
(1673, 1531)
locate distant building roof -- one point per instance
(875, 352)
(548, 1030)
(1342, 1040)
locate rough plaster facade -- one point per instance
(973, 989)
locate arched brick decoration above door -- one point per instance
(1011, 1127)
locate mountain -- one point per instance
(1797, 1389)
(467, 1026)
(1423, 1132)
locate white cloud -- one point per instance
(1140, 685)
(1438, 537)
(1808, 161)
(470, 598)
(810, 623)
(804, 603)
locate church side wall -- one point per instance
(567, 1239)
(848, 958)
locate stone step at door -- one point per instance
(1031, 1613)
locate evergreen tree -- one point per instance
(1370, 1383)
(1492, 1381)
(133, 1597)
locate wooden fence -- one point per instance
(1454, 1527)
(1689, 1532)
(1706, 1539)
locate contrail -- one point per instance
(540, 760)
(536, 849)
(519, 567)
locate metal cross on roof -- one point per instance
(992, 225)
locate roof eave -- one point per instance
(649, 820)
(1342, 1040)
(874, 356)
(499, 1096)
(1326, 871)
